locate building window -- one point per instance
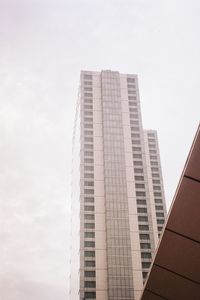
(154, 169)
(134, 122)
(144, 236)
(132, 103)
(88, 168)
(146, 265)
(137, 155)
(135, 128)
(88, 208)
(90, 284)
(158, 188)
(154, 163)
(89, 175)
(88, 146)
(89, 263)
(135, 135)
(137, 163)
(145, 245)
(130, 92)
(142, 218)
(160, 221)
(89, 225)
(153, 157)
(89, 253)
(87, 191)
(88, 119)
(89, 199)
(141, 202)
(88, 132)
(90, 295)
(157, 194)
(143, 227)
(131, 86)
(159, 207)
(87, 76)
(87, 94)
(133, 109)
(141, 178)
(89, 273)
(151, 134)
(160, 228)
(88, 100)
(134, 116)
(88, 113)
(132, 97)
(130, 79)
(88, 183)
(152, 146)
(87, 82)
(155, 175)
(88, 139)
(89, 217)
(136, 142)
(151, 140)
(158, 200)
(139, 186)
(89, 234)
(144, 274)
(88, 89)
(87, 106)
(138, 170)
(156, 181)
(152, 151)
(158, 214)
(146, 255)
(136, 149)
(143, 194)
(88, 126)
(89, 244)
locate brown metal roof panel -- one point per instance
(180, 255)
(193, 165)
(185, 215)
(175, 271)
(151, 296)
(171, 286)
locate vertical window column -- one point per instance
(140, 185)
(119, 260)
(156, 180)
(88, 203)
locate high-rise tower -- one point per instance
(118, 206)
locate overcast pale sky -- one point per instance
(43, 46)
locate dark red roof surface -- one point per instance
(175, 271)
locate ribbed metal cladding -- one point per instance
(120, 277)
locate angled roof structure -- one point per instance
(175, 271)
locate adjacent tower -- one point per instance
(118, 206)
